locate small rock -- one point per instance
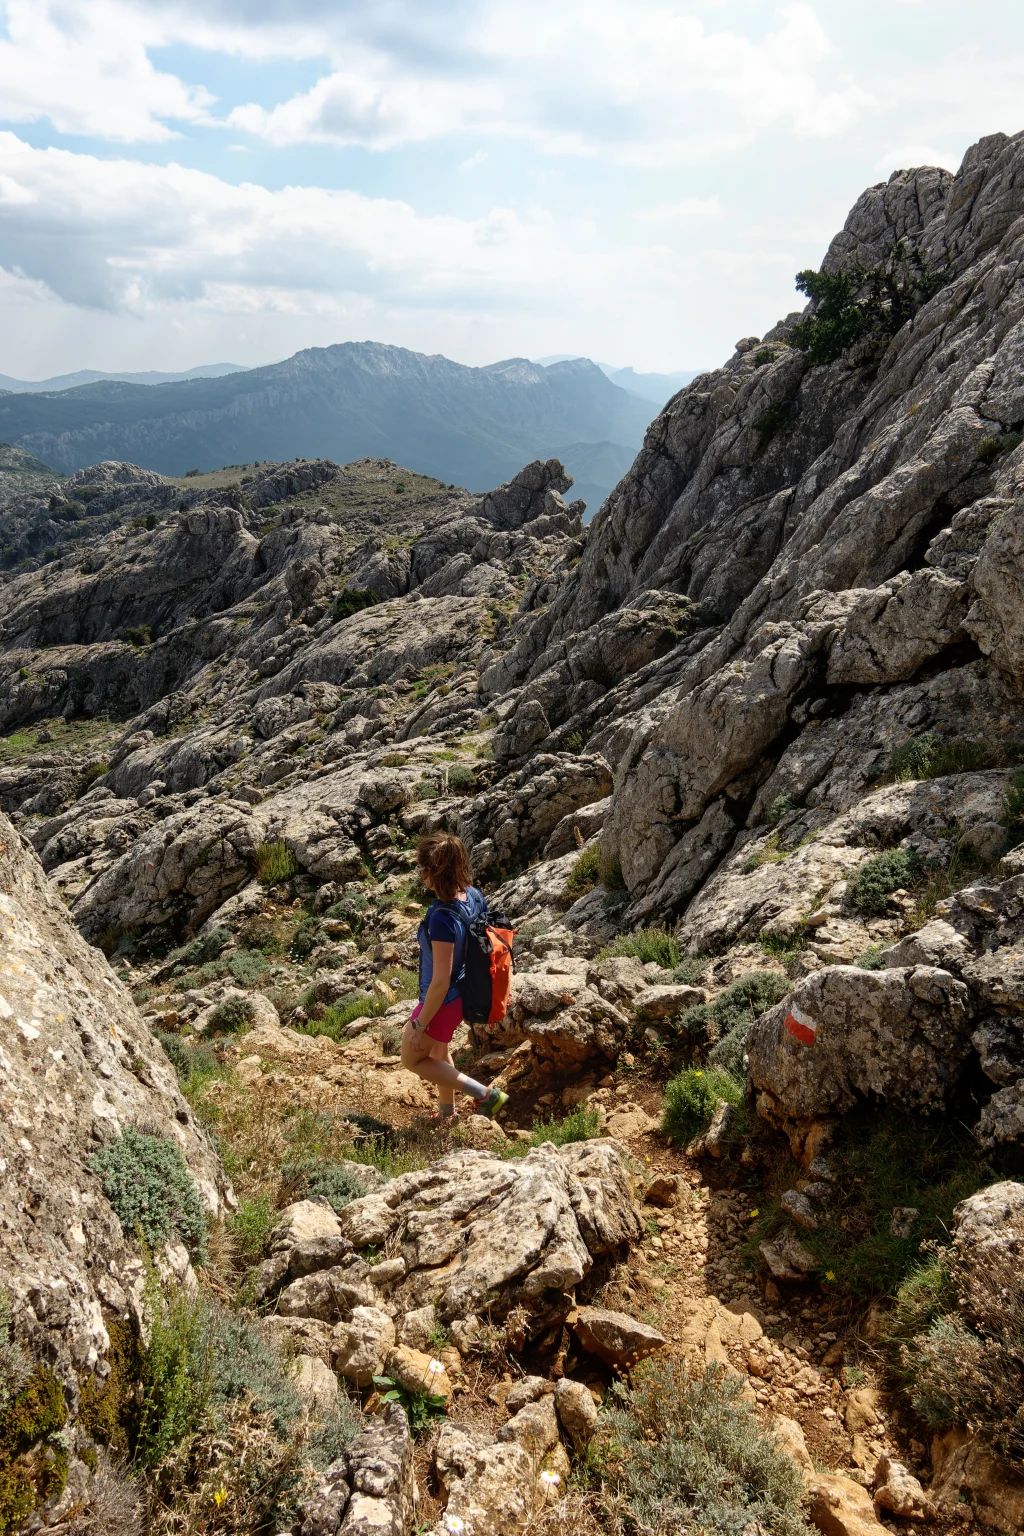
(359, 1347)
(898, 1491)
(577, 1411)
(535, 1428)
(800, 1209)
(615, 1337)
(388, 1272)
(416, 1327)
(840, 1507)
(902, 1222)
(368, 1221)
(316, 1384)
(860, 1410)
(787, 1258)
(418, 1372)
(791, 1440)
(527, 1391)
(663, 1190)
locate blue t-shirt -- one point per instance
(442, 926)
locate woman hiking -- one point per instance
(443, 935)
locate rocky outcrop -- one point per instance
(80, 1067)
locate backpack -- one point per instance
(486, 979)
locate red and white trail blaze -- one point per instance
(801, 1026)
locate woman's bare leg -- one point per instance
(418, 1056)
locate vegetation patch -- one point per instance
(151, 1190)
(691, 1098)
(862, 303)
(870, 888)
(275, 862)
(232, 1015)
(645, 944)
(33, 1460)
(580, 1124)
(323, 1179)
(585, 873)
(688, 1454)
(353, 600)
(725, 1022)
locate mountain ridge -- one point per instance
(473, 426)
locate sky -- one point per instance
(199, 181)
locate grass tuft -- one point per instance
(645, 944)
(275, 862)
(691, 1098)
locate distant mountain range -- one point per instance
(95, 376)
(471, 426)
(656, 387)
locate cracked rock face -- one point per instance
(79, 1067)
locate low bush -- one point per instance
(33, 1453)
(686, 1453)
(645, 944)
(353, 600)
(868, 890)
(734, 1010)
(691, 970)
(247, 966)
(139, 635)
(208, 946)
(425, 789)
(928, 756)
(780, 416)
(967, 1365)
(585, 873)
(232, 1015)
(1013, 816)
(275, 862)
(391, 1040)
(151, 1190)
(334, 1020)
(323, 1180)
(250, 1226)
(461, 777)
(580, 1124)
(691, 1098)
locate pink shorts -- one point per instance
(445, 1021)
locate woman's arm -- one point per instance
(440, 981)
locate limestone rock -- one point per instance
(529, 1390)
(577, 1411)
(80, 1066)
(329, 1294)
(840, 1507)
(418, 1372)
(898, 1491)
(416, 1327)
(360, 1347)
(535, 1428)
(491, 1487)
(786, 1257)
(618, 1339)
(901, 1034)
(792, 1441)
(369, 1221)
(316, 1384)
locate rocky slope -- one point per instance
(769, 704)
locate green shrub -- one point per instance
(332, 1024)
(208, 946)
(92, 773)
(461, 777)
(736, 1008)
(33, 1452)
(247, 967)
(585, 873)
(305, 938)
(353, 600)
(991, 447)
(929, 757)
(691, 1098)
(645, 944)
(574, 742)
(780, 807)
(196, 1065)
(275, 862)
(323, 1180)
(244, 1367)
(233, 1014)
(425, 789)
(922, 1297)
(781, 416)
(580, 1124)
(151, 1190)
(139, 635)
(690, 1455)
(838, 320)
(691, 970)
(762, 356)
(869, 889)
(871, 959)
(885, 1160)
(250, 1226)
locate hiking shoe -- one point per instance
(494, 1101)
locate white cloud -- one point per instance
(85, 67)
(474, 160)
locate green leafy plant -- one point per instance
(780, 807)
(725, 1022)
(250, 1226)
(232, 1015)
(691, 1098)
(780, 416)
(580, 1124)
(686, 1453)
(425, 789)
(353, 600)
(691, 970)
(869, 889)
(150, 1189)
(645, 944)
(275, 862)
(461, 777)
(763, 355)
(421, 1408)
(247, 966)
(323, 1179)
(585, 873)
(139, 635)
(574, 742)
(862, 303)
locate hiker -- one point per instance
(444, 935)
